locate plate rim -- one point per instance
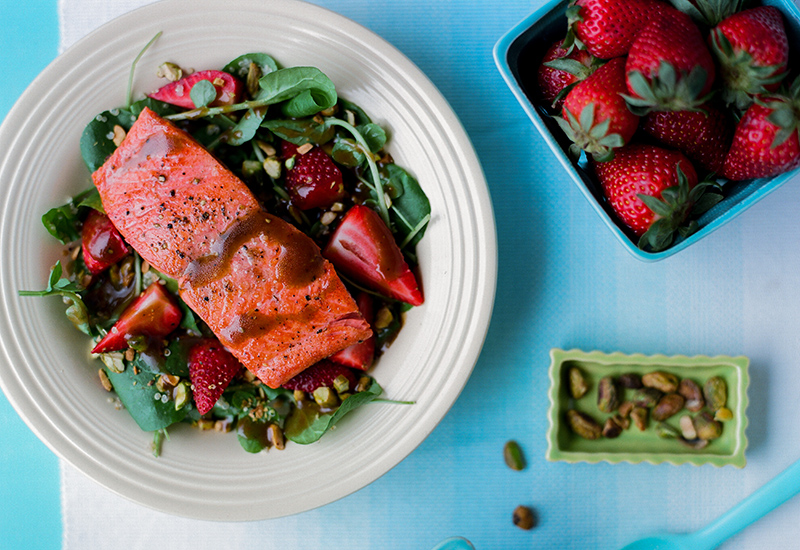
(49, 433)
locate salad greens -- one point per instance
(296, 104)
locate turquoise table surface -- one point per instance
(563, 281)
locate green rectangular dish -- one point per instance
(633, 445)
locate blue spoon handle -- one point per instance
(774, 493)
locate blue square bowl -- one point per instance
(518, 54)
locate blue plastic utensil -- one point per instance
(454, 543)
(777, 491)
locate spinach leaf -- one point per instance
(348, 153)
(306, 90)
(361, 116)
(240, 66)
(309, 427)
(173, 361)
(97, 139)
(203, 93)
(58, 286)
(64, 222)
(300, 130)
(411, 210)
(246, 128)
(374, 135)
(143, 401)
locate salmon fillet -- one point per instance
(258, 282)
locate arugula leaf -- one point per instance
(306, 425)
(77, 312)
(143, 401)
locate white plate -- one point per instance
(47, 374)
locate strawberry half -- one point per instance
(595, 116)
(364, 249)
(669, 66)
(229, 89)
(153, 314)
(314, 180)
(766, 141)
(360, 355)
(318, 375)
(102, 244)
(211, 369)
(652, 191)
(752, 50)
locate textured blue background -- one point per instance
(563, 281)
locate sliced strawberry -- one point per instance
(320, 374)
(361, 355)
(313, 181)
(229, 89)
(102, 244)
(364, 249)
(153, 314)
(211, 369)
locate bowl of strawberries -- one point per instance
(672, 118)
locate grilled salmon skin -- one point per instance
(258, 282)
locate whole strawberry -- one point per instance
(765, 141)
(652, 191)
(211, 369)
(752, 51)
(704, 136)
(669, 66)
(607, 28)
(320, 374)
(312, 178)
(595, 116)
(559, 70)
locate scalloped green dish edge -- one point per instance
(560, 438)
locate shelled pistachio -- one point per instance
(692, 393)
(662, 381)
(577, 383)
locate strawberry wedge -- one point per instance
(259, 283)
(359, 356)
(102, 244)
(229, 89)
(153, 314)
(364, 249)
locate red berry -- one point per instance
(314, 180)
(320, 374)
(597, 102)
(153, 314)
(211, 369)
(229, 89)
(102, 244)
(364, 249)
